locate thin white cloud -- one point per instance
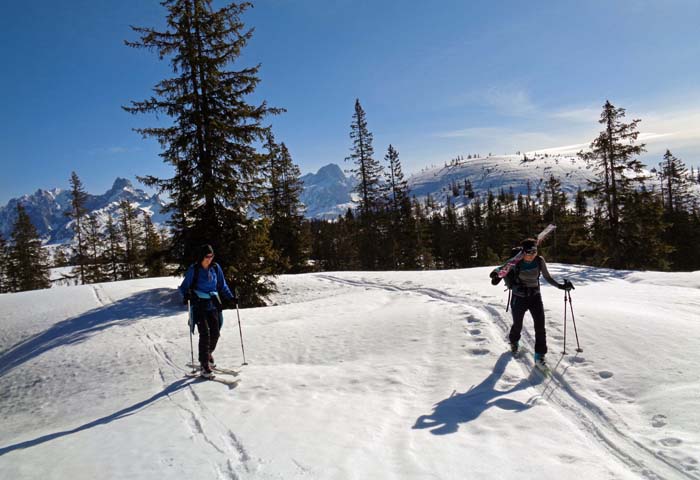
(567, 131)
(504, 100)
(115, 150)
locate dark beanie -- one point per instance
(528, 244)
(203, 251)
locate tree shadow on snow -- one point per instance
(125, 412)
(468, 406)
(583, 274)
(157, 302)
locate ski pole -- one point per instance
(564, 351)
(189, 328)
(578, 346)
(240, 331)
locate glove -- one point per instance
(495, 279)
(187, 297)
(568, 286)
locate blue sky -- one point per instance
(437, 80)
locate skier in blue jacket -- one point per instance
(203, 286)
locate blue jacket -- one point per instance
(210, 280)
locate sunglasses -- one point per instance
(211, 255)
(530, 252)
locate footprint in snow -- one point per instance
(479, 351)
(605, 374)
(670, 442)
(475, 331)
(658, 421)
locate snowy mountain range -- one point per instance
(47, 209)
(327, 193)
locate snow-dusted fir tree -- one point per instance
(28, 264)
(211, 142)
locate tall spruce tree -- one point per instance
(367, 169)
(675, 183)
(77, 213)
(152, 249)
(613, 155)
(28, 264)
(94, 241)
(401, 229)
(114, 253)
(211, 143)
(131, 234)
(369, 188)
(284, 209)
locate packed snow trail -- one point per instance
(590, 417)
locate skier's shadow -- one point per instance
(125, 412)
(465, 407)
(156, 302)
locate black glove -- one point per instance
(568, 286)
(495, 279)
(189, 296)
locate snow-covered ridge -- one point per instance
(501, 172)
(355, 375)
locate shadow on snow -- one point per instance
(468, 406)
(156, 302)
(126, 412)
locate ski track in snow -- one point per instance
(203, 425)
(590, 417)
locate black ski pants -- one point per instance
(532, 303)
(208, 327)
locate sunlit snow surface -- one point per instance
(395, 375)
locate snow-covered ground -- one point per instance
(399, 375)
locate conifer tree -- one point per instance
(397, 184)
(613, 156)
(284, 208)
(28, 265)
(367, 169)
(77, 213)
(674, 183)
(114, 253)
(152, 249)
(211, 142)
(93, 241)
(369, 173)
(4, 287)
(131, 234)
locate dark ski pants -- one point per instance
(208, 327)
(520, 305)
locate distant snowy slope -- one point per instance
(501, 172)
(354, 375)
